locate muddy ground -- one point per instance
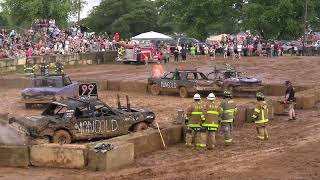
(291, 153)
(300, 70)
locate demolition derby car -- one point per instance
(73, 119)
(187, 82)
(234, 81)
(47, 88)
(184, 82)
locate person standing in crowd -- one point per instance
(290, 100)
(212, 51)
(193, 51)
(176, 54)
(206, 51)
(194, 117)
(250, 47)
(225, 51)
(231, 50)
(259, 49)
(183, 53)
(260, 116)
(239, 49)
(229, 109)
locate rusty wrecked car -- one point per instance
(72, 119)
(234, 81)
(184, 82)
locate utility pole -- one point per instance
(79, 10)
(305, 27)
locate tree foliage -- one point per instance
(126, 17)
(22, 13)
(279, 19)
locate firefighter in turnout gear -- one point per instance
(211, 123)
(59, 68)
(229, 109)
(194, 117)
(260, 117)
(44, 69)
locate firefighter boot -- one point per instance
(201, 139)
(260, 130)
(189, 137)
(211, 139)
(266, 135)
(227, 133)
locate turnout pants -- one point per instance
(211, 139)
(201, 139)
(262, 131)
(227, 128)
(191, 136)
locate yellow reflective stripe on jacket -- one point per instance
(262, 121)
(210, 125)
(213, 112)
(227, 120)
(257, 110)
(254, 116)
(194, 125)
(196, 113)
(229, 111)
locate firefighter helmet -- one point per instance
(197, 97)
(260, 95)
(211, 97)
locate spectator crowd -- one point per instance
(46, 38)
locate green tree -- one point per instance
(21, 13)
(202, 18)
(126, 17)
(279, 19)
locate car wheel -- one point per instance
(28, 105)
(155, 89)
(61, 137)
(140, 127)
(183, 92)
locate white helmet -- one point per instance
(197, 97)
(211, 97)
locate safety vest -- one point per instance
(195, 115)
(211, 121)
(261, 113)
(28, 69)
(228, 110)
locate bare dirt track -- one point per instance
(291, 153)
(300, 70)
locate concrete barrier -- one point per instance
(305, 101)
(7, 65)
(14, 156)
(133, 86)
(113, 85)
(62, 156)
(240, 116)
(121, 155)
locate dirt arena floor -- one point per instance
(291, 153)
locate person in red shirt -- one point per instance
(116, 37)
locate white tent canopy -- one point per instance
(216, 38)
(151, 36)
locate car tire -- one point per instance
(61, 137)
(28, 105)
(183, 92)
(140, 127)
(155, 89)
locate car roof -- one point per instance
(186, 71)
(73, 102)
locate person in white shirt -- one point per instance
(225, 51)
(239, 49)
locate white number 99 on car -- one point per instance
(88, 89)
